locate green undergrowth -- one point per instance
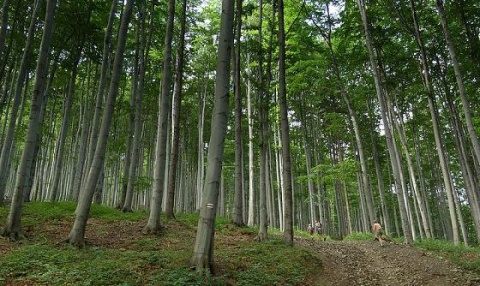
(465, 256)
(146, 259)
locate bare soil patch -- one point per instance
(366, 263)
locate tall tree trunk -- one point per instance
(172, 177)
(285, 134)
(203, 253)
(77, 233)
(104, 71)
(143, 51)
(252, 202)
(5, 156)
(239, 174)
(388, 133)
(84, 126)
(59, 152)
(468, 174)
(459, 78)
(153, 224)
(425, 73)
(3, 29)
(263, 138)
(413, 181)
(12, 227)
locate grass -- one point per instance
(465, 256)
(117, 253)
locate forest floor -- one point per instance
(120, 247)
(348, 263)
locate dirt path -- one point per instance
(349, 263)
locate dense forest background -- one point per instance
(114, 103)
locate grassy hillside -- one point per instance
(117, 252)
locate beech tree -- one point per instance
(77, 233)
(13, 228)
(204, 244)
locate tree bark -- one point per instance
(3, 28)
(77, 233)
(153, 224)
(172, 178)
(239, 174)
(459, 78)
(263, 138)
(12, 227)
(425, 73)
(203, 253)
(285, 133)
(5, 157)
(388, 133)
(138, 105)
(59, 152)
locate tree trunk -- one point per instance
(172, 178)
(459, 78)
(239, 174)
(388, 133)
(285, 136)
(203, 253)
(77, 233)
(263, 138)
(201, 149)
(425, 73)
(101, 90)
(12, 227)
(59, 152)
(153, 224)
(138, 104)
(5, 156)
(3, 29)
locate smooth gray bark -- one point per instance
(136, 125)
(77, 233)
(153, 224)
(239, 174)
(176, 108)
(5, 156)
(263, 138)
(204, 244)
(474, 139)
(13, 228)
(447, 180)
(59, 152)
(285, 133)
(388, 132)
(102, 84)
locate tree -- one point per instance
(239, 177)
(12, 227)
(203, 253)
(19, 85)
(153, 224)
(137, 96)
(77, 233)
(285, 136)
(394, 159)
(460, 84)
(172, 177)
(105, 67)
(263, 136)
